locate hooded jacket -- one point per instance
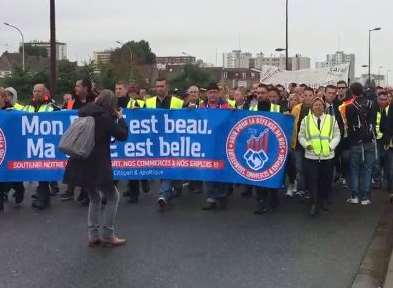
(96, 170)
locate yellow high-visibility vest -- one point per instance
(231, 103)
(43, 108)
(18, 107)
(275, 108)
(132, 102)
(320, 139)
(378, 123)
(176, 103)
(253, 107)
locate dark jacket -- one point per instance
(338, 117)
(74, 104)
(96, 170)
(361, 122)
(387, 126)
(122, 102)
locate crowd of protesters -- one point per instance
(342, 136)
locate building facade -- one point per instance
(234, 77)
(237, 60)
(339, 58)
(175, 60)
(297, 62)
(61, 48)
(102, 57)
(378, 79)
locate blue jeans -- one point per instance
(216, 190)
(166, 190)
(378, 165)
(362, 161)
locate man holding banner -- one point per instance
(216, 191)
(40, 103)
(164, 101)
(6, 104)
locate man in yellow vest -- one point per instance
(319, 135)
(127, 98)
(268, 101)
(40, 103)
(8, 101)
(381, 112)
(13, 98)
(165, 101)
(135, 99)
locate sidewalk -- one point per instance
(389, 274)
(373, 269)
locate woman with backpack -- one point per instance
(94, 173)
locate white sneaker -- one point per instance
(290, 190)
(353, 200)
(300, 193)
(294, 190)
(365, 202)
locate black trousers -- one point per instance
(319, 179)
(16, 186)
(134, 187)
(43, 192)
(268, 197)
(291, 167)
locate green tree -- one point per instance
(106, 78)
(128, 61)
(22, 82)
(66, 77)
(190, 75)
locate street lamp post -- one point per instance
(23, 43)
(286, 57)
(369, 51)
(53, 54)
(379, 75)
(286, 38)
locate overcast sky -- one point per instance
(206, 27)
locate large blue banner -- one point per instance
(231, 146)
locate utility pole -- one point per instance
(53, 56)
(286, 39)
(369, 51)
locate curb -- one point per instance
(389, 275)
(374, 266)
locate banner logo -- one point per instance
(247, 148)
(3, 146)
(255, 155)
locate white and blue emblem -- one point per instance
(257, 148)
(256, 154)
